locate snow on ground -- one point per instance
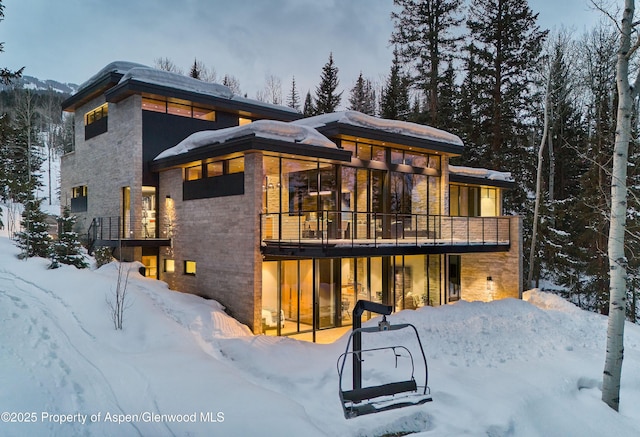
(506, 368)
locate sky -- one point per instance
(70, 40)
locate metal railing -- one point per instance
(114, 228)
(371, 228)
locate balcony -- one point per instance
(114, 232)
(345, 233)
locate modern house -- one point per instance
(285, 221)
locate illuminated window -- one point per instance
(79, 191)
(236, 165)
(350, 146)
(170, 266)
(154, 105)
(79, 199)
(190, 268)
(193, 173)
(96, 114)
(215, 169)
(242, 121)
(364, 151)
(178, 109)
(379, 154)
(204, 114)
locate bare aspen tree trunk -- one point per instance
(617, 260)
(536, 210)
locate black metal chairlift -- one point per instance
(386, 396)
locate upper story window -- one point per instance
(370, 152)
(213, 169)
(180, 109)
(95, 121)
(96, 114)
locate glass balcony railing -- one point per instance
(370, 228)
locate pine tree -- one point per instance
(34, 239)
(309, 110)
(505, 48)
(362, 97)
(327, 100)
(293, 100)
(449, 100)
(394, 102)
(195, 71)
(67, 249)
(426, 34)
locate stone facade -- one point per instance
(504, 269)
(106, 163)
(222, 236)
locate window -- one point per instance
(235, 165)
(215, 169)
(204, 114)
(242, 121)
(95, 121)
(179, 109)
(96, 114)
(193, 173)
(169, 265)
(154, 105)
(190, 268)
(79, 199)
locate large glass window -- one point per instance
(473, 201)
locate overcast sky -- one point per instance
(70, 40)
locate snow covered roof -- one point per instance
(268, 129)
(481, 173)
(175, 80)
(359, 119)
(120, 67)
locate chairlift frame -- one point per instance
(360, 401)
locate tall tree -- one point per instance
(394, 102)
(427, 34)
(363, 97)
(506, 43)
(293, 100)
(628, 89)
(327, 98)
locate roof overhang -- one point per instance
(250, 143)
(471, 180)
(97, 87)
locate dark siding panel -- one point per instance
(96, 128)
(163, 131)
(219, 186)
(79, 204)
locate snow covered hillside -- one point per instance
(182, 367)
